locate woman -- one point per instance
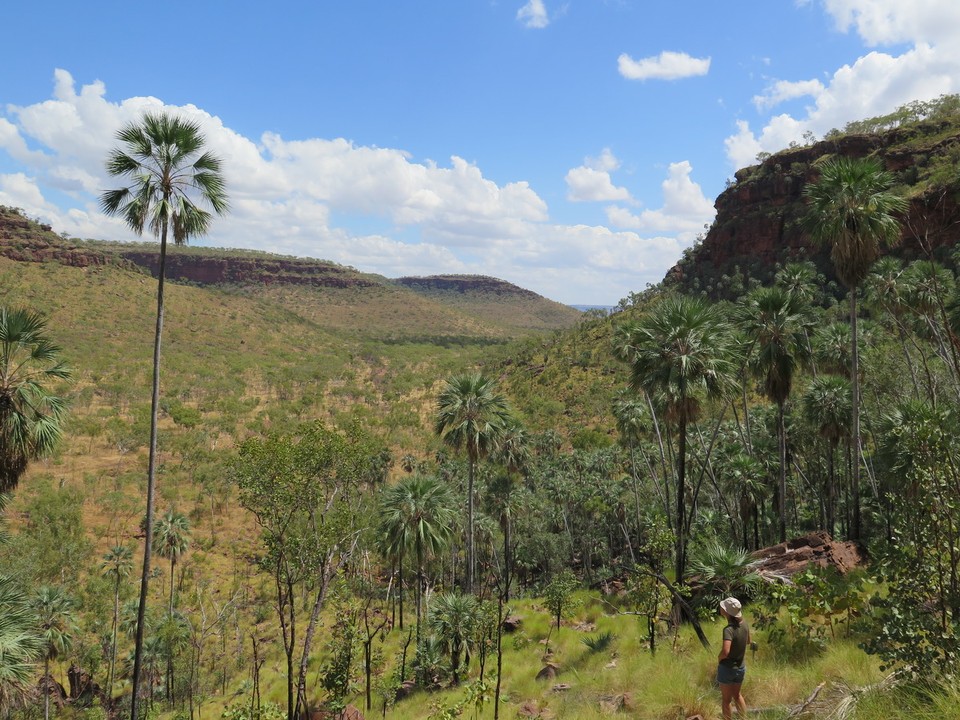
(730, 670)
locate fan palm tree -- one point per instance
(20, 645)
(453, 619)
(513, 453)
(775, 322)
(116, 567)
(31, 417)
(852, 209)
(826, 407)
(169, 171)
(171, 538)
(54, 613)
(419, 513)
(471, 415)
(679, 352)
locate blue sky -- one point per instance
(574, 147)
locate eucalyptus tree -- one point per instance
(31, 415)
(20, 644)
(929, 287)
(419, 514)
(116, 566)
(679, 353)
(775, 322)
(54, 613)
(308, 492)
(826, 406)
(172, 181)
(853, 209)
(471, 415)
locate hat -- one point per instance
(731, 606)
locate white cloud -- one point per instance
(782, 90)
(591, 181)
(685, 208)
(533, 14)
(300, 198)
(881, 22)
(665, 66)
(875, 84)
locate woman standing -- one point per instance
(730, 669)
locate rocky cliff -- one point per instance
(759, 215)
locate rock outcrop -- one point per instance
(760, 216)
(817, 549)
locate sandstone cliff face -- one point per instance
(759, 218)
(464, 284)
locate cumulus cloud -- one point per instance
(783, 90)
(665, 66)
(533, 14)
(881, 22)
(874, 84)
(591, 181)
(685, 208)
(295, 197)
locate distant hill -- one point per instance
(759, 216)
(434, 308)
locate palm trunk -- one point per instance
(113, 646)
(855, 373)
(470, 547)
(46, 687)
(151, 480)
(681, 497)
(782, 487)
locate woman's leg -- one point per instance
(738, 698)
(727, 694)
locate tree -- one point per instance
(306, 491)
(418, 513)
(20, 645)
(558, 594)
(453, 619)
(169, 171)
(853, 210)
(116, 566)
(513, 453)
(775, 322)
(31, 417)
(471, 414)
(826, 407)
(54, 613)
(171, 537)
(679, 352)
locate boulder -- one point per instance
(816, 549)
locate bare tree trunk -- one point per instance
(151, 482)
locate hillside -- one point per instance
(759, 215)
(371, 303)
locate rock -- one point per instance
(817, 549)
(512, 623)
(549, 672)
(561, 687)
(406, 689)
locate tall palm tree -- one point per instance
(513, 453)
(171, 538)
(20, 645)
(678, 353)
(471, 414)
(775, 322)
(54, 613)
(31, 417)
(852, 209)
(419, 513)
(826, 407)
(169, 171)
(116, 567)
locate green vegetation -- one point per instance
(572, 502)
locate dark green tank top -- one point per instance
(737, 635)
